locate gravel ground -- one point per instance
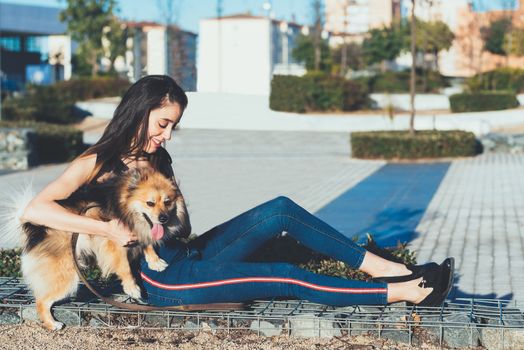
(33, 336)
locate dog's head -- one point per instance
(152, 205)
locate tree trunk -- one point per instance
(413, 72)
(94, 65)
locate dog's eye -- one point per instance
(167, 202)
(150, 204)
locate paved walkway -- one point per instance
(473, 216)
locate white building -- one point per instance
(153, 48)
(241, 53)
(354, 18)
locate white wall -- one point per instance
(61, 44)
(234, 56)
(156, 51)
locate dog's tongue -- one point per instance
(157, 231)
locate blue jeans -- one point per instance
(213, 267)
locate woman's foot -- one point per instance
(410, 291)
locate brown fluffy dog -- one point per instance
(146, 201)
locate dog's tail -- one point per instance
(12, 208)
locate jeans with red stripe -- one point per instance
(214, 268)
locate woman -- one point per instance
(213, 267)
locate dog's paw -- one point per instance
(157, 265)
(54, 325)
(132, 290)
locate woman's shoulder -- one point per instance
(163, 161)
(163, 155)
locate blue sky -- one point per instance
(191, 11)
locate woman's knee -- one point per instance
(282, 202)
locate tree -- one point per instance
(306, 52)
(514, 42)
(354, 57)
(116, 35)
(383, 44)
(413, 76)
(493, 36)
(317, 32)
(86, 20)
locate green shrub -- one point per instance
(85, 89)
(398, 82)
(10, 262)
(499, 79)
(482, 101)
(403, 145)
(10, 265)
(52, 143)
(55, 103)
(316, 92)
(289, 94)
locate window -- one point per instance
(10, 43)
(33, 44)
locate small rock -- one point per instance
(266, 328)
(189, 325)
(155, 321)
(309, 325)
(9, 318)
(95, 322)
(463, 334)
(30, 314)
(67, 317)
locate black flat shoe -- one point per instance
(429, 271)
(441, 287)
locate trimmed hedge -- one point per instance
(55, 103)
(316, 92)
(398, 82)
(403, 145)
(499, 79)
(483, 101)
(53, 143)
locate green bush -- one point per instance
(499, 79)
(289, 94)
(10, 262)
(55, 103)
(398, 82)
(52, 143)
(403, 145)
(85, 89)
(316, 92)
(482, 101)
(10, 265)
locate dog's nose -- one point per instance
(163, 218)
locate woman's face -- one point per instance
(162, 121)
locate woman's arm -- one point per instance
(44, 210)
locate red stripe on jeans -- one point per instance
(263, 280)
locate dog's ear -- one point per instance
(134, 177)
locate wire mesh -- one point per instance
(293, 317)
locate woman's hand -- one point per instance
(120, 233)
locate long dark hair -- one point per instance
(126, 134)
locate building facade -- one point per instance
(241, 53)
(352, 19)
(34, 47)
(153, 48)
